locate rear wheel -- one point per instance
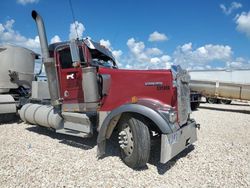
(212, 100)
(224, 101)
(134, 141)
(194, 105)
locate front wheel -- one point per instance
(134, 141)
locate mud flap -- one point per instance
(172, 144)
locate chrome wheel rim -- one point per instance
(126, 140)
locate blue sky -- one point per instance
(142, 34)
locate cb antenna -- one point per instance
(74, 19)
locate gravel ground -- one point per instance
(36, 157)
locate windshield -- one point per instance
(99, 62)
(98, 59)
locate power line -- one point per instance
(73, 16)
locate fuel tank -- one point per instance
(42, 115)
(89, 85)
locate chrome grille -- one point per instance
(183, 95)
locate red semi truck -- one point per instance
(89, 93)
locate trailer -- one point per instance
(221, 86)
(16, 76)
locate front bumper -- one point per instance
(172, 144)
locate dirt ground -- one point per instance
(32, 156)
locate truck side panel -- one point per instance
(126, 84)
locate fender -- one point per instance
(112, 119)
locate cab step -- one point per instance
(74, 133)
(76, 124)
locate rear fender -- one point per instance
(109, 123)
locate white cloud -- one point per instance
(239, 62)
(235, 64)
(24, 2)
(203, 57)
(141, 57)
(156, 36)
(207, 57)
(186, 56)
(229, 10)
(105, 43)
(243, 23)
(154, 51)
(186, 47)
(32, 43)
(116, 53)
(165, 58)
(135, 47)
(55, 39)
(155, 60)
(76, 30)
(9, 35)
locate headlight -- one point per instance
(173, 117)
(170, 114)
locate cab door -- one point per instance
(70, 78)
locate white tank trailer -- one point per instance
(16, 76)
(221, 85)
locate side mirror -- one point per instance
(74, 51)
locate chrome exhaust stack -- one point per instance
(42, 34)
(47, 60)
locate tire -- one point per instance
(134, 141)
(212, 100)
(194, 105)
(224, 101)
(8, 118)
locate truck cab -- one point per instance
(85, 82)
(90, 57)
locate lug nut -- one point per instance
(122, 133)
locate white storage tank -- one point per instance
(18, 59)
